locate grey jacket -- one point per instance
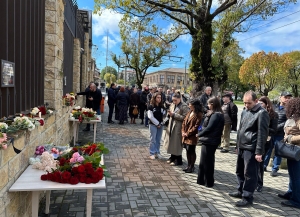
(254, 130)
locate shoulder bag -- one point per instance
(286, 150)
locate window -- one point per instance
(172, 79)
(169, 79)
(162, 79)
(179, 79)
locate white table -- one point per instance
(30, 180)
(76, 127)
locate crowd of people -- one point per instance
(209, 120)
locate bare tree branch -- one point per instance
(223, 7)
(249, 14)
(187, 2)
(164, 6)
(190, 28)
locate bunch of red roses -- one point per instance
(81, 164)
(83, 173)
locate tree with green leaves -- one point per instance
(292, 79)
(109, 78)
(108, 69)
(141, 50)
(264, 71)
(195, 18)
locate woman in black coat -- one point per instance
(210, 137)
(266, 103)
(122, 103)
(134, 101)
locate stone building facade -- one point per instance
(57, 128)
(168, 78)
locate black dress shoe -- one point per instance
(185, 169)
(224, 151)
(236, 194)
(244, 202)
(285, 196)
(86, 129)
(190, 170)
(289, 204)
(259, 188)
(110, 122)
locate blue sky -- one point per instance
(269, 35)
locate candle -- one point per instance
(40, 114)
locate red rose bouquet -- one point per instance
(80, 164)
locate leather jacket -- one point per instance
(254, 130)
(281, 120)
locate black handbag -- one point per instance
(289, 151)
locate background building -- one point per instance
(168, 78)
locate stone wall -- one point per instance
(57, 128)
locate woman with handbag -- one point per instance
(266, 103)
(210, 137)
(292, 136)
(189, 131)
(134, 102)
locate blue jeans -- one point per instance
(155, 137)
(276, 159)
(294, 185)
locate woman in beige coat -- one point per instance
(173, 137)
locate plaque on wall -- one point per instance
(7, 74)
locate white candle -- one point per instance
(40, 114)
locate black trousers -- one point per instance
(247, 168)
(207, 165)
(142, 111)
(111, 111)
(260, 181)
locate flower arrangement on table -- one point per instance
(80, 164)
(81, 114)
(69, 99)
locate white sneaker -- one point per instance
(152, 157)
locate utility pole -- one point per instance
(125, 76)
(185, 82)
(106, 56)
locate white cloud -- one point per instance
(107, 21)
(275, 36)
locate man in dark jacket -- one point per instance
(93, 99)
(111, 102)
(230, 114)
(204, 97)
(251, 138)
(143, 103)
(278, 136)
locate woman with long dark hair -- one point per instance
(266, 103)
(122, 103)
(189, 131)
(210, 137)
(155, 114)
(292, 136)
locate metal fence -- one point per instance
(22, 41)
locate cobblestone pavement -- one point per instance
(142, 187)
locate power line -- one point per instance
(275, 20)
(271, 30)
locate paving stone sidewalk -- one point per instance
(142, 187)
